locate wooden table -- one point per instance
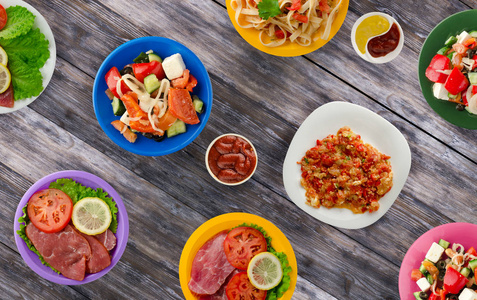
(260, 96)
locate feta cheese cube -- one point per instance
(173, 66)
(423, 284)
(463, 37)
(435, 252)
(440, 92)
(468, 294)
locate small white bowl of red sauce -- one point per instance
(231, 159)
(377, 37)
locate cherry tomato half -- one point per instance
(240, 287)
(242, 244)
(3, 17)
(50, 210)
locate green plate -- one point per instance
(453, 25)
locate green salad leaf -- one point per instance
(77, 191)
(19, 21)
(284, 285)
(31, 48)
(268, 9)
(24, 220)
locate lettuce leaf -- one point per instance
(24, 220)
(26, 81)
(19, 21)
(31, 48)
(77, 191)
(284, 285)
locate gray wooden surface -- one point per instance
(260, 96)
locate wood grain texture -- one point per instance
(260, 96)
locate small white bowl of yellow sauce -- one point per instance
(377, 37)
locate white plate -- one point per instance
(374, 130)
(49, 67)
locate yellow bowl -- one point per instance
(227, 221)
(289, 48)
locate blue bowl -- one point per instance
(124, 55)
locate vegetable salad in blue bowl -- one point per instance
(152, 96)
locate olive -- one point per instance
(423, 295)
(157, 138)
(460, 107)
(441, 264)
(442, 274)
(126, 70)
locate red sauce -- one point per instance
(386, 43)
(232, 159)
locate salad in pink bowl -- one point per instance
(464, 234)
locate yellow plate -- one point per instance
(227, 221)
(289, 48)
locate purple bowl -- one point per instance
(88, 180)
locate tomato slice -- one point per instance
(242, 244)
(239, 287)
(3, 17)
(50, 210)
(181, 106)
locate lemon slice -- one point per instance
(3, 57)
(91, 216)
(5, 78)
(265, 271)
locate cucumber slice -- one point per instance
(445, 244)
(450, 97)
(118, 107)
(473, 33)
(151, 83)
(472, 77)
(417, 295)
(198, 104)
(154, 56)
(443, 50)
(429, 278)
(465, 272)
(450, 41)
(423, 270)
(473, 264)
(177, 128)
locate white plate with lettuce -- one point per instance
(32, 55)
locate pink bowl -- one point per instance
(88, 180)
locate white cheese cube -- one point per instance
(468, 294)
(173, 66)
(435, 252)
(440, 91)
(463, 37)
(423, 284)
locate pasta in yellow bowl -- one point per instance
(287, 27)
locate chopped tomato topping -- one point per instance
(300, 18)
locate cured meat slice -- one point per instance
(108, 239)
(66, 251)
(220, 294)
(210, 267)
(99, 258)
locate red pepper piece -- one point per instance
(142, 70)
(456, 82)
(112, 78)
(438, 63)
(454, 281)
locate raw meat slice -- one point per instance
(99, 258)
(210, 267)
(66, 251)
(220, 294)
(108, 239)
